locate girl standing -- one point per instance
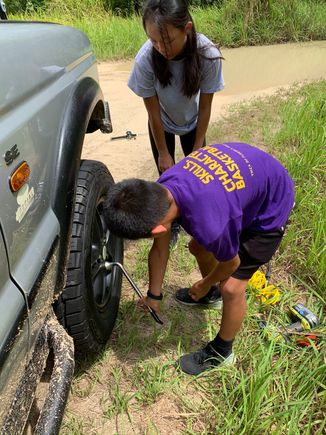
(176, 72)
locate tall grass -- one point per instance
(302, 144)
(113, 38)
(234, 23)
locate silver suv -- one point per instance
(53, 238)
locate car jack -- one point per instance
(108, 266)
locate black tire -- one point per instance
(89, 303)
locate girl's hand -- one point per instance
(165, 162)
(198, 290)
(146, 302)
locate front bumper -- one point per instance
(52, 340)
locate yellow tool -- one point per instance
(304, 320)
(258, 285)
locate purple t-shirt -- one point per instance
(224, 189)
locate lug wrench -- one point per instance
(109, 265)
(129, 135)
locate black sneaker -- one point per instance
(205, 359)
(212, 299)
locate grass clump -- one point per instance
(301, 143)
(233, 23)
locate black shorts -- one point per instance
(256, 249)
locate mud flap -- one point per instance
(52, 338)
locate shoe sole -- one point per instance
(217, 304)
(229, 361)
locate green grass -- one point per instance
(273, 388)
(304, 135)
(235, 23)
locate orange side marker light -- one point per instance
(19, 177)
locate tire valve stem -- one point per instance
(108, 266)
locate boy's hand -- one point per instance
(198, 290)
(146, 302)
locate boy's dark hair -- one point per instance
(134, 207)
(175, 13)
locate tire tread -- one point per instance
(73, 302)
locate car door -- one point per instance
(13, 333)
(30, 113)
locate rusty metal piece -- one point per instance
(129, 135)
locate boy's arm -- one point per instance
(220, 272)
(157, 262)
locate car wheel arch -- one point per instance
(85, 104)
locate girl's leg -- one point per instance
(170, 143)
(187, 142)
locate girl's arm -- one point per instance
(204, 114)
(152, 105)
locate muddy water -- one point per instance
(248, 71)
(256, 71)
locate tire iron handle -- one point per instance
(129, 135)
(108, 266)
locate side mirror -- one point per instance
(3, 13)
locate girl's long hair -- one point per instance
(176, 14)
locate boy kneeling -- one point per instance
(234, 200)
